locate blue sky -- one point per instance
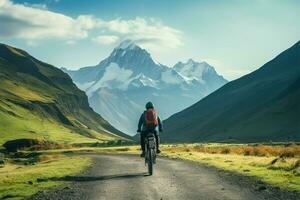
(234, 36)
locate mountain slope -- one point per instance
(38, 100)
(120, 85)
(261, 106)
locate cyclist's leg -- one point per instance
(157, 141)
(142, 142)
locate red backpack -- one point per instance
(151, 118)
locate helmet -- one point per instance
(149, 105)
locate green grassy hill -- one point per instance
(40, 101)
(261, 106)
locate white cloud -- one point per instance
(25, 22)
(88, 21)
(147, 33)
(106, 39)
(36, 5)
(70, 42)
(35, 22)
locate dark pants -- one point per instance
(144, 134)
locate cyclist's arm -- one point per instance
(160, 125)
(141, 122)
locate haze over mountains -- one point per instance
(261, 106)
(38, 100)
(120, 85)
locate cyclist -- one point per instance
(148, 123)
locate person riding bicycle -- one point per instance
(148, 123)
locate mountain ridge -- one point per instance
(255, 107)
(36, 93)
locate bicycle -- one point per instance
(150, 152)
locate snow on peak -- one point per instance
(113, 77)
(147, 81)
(192, 70)
(191, 66)
(190, 61)
(127, 44)
(171, 77)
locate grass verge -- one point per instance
(21, 178)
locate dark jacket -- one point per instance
(142, 124)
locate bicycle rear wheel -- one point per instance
(150, 162)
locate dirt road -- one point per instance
(115, 177)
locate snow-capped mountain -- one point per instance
(199, 72)
(120, 85)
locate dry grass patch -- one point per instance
(276, 165)
(288, 150)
